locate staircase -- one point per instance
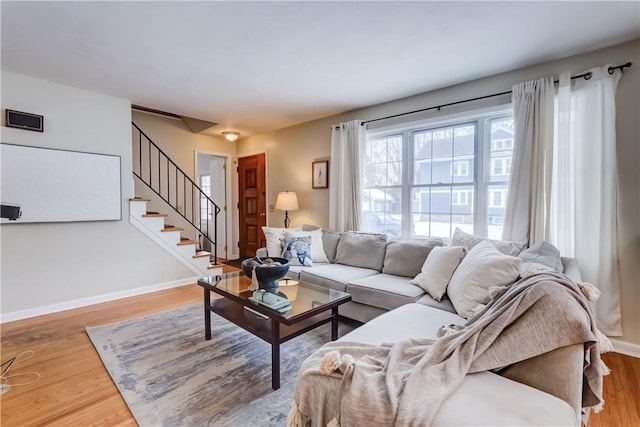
(170, 239)
(153, 168)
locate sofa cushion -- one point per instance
(405, 257)
(438, 268)
(334, 276)
(294, 270)
(384, 291)
(408, 321)
(460, 238)
(483, 267)
(443, 304)
(317, 246)
(362, 250)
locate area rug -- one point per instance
(170, 376)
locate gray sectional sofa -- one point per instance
(376, 271)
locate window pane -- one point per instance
(382, 211)
(375, 174)
(394, 173)
(501, 149)
(420, 211)
(496, 209)
(422, 145)
(422, 158)
(443, 142)
(378, 151)
(464, 140)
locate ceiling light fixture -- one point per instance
(231, 136)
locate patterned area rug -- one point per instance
(170, 376)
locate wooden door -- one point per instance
(252, 200)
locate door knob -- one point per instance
(263, 214)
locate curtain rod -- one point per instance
(586, 76)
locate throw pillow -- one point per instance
(317, 248)
(330, 241)
(297, 250)
(460, 238)
(361, 250)
(543, 253)
(273, 236)
(406, 257)
(438, 268)
(483, 267)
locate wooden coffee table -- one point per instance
(311, 306)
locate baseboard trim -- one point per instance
(624, 347)
(83, 302)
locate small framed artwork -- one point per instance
(320, 174)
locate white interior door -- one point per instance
(212, 180)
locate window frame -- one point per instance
(481, 177)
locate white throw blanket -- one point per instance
(404, 384)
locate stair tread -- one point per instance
(155, 214)
(139, 199)
(171, 228)
(187, 242)
(200, 254)
(215, 266)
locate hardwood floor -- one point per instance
(621, 393)
(76, 390)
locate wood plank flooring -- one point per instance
(76, 390)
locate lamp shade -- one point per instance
(287, 201)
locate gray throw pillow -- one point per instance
(460, 238)
(406, 257)
(361, 250)
(330, 240)
(543, 253)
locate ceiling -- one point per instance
(260, 66)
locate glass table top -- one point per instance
(304, 297)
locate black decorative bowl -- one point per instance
(268, 277)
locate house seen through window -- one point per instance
(426, 181)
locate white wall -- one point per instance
(292, 150)
(180, 144)
(45, 264)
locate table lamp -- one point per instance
(287, 201)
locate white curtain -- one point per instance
(345, 183)
(584, 202)
(529, 196)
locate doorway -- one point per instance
(211, 176)
(252, 204)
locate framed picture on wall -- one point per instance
(320, 174)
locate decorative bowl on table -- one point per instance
(268, 270)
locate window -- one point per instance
(461, 168)
(460, 198)
(204, 182)
(497, 198)
(501, 166)
(428, 180)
